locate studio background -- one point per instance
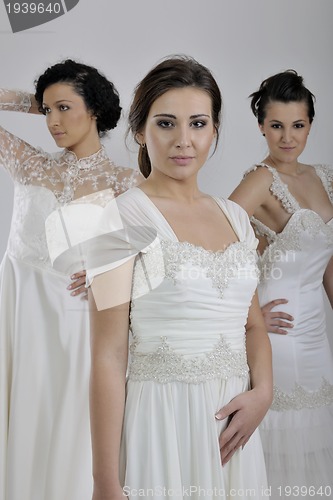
(241, 41)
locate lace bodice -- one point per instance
(44, 182)
(280, 190)
(292, 267)
(189, 305)
(304, 229)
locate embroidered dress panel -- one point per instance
(187, 358)
(299, 398)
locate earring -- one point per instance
(264, 135)
(143, 145)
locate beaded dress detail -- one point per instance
(45, 450)
(187, 358)
(297, 431)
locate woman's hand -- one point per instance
(276, 321)
(244, 413)
(78, 285)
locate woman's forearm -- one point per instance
(107, 400)
(259, 352)
(259, 355)
(16, 100)
(109, 356)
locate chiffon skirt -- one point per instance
(298, 448)
(44, 372)
(170, 446)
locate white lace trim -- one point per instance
(220, 266)
(15, 100)
(289, 240)
(66, 176)
(279, 189)
(300, 398)
(164, 365)
(325, 173)
(167, 259)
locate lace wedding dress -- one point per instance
(44, 338)
(297, 432)
(188, 359)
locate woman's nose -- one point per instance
(52, 118)
(183, 139)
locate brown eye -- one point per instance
(165, 124)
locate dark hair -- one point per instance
(174, 72)
(283, 87)
(99, 94)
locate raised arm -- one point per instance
(16, 100)
(14, 152)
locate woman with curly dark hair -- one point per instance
(44, 341)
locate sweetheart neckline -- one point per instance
(266, 249)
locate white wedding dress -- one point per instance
(45, 451)
(187, 360)
(297, 432)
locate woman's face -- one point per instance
(179, 132)
(69, 121)
(286, 128)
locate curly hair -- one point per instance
(286, 86)
(177, 71)
(99, 94)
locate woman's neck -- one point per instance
(166, 187)
(293, 168)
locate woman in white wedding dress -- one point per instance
(188, 297)
(291, 208)
(45, 451)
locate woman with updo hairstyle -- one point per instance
(290, 205)
(98, 93)
(44, 324)
(179, 416)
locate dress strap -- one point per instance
(325, 174)
(279, 189)
(261, 229)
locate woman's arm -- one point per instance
(14, 152)
(253, 191)
(277, 321)
(251, 194)
(328, 281)
(16, 100)
(109, 354)
(247, 410)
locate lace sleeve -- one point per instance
(14, 152)
(325, 173)
(126, 179)
(18, 157)
(15, 100)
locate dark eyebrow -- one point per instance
(296, 121)
(166, 115)
(58, 102)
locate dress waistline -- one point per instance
(164, 364)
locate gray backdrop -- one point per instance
(241, 41)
